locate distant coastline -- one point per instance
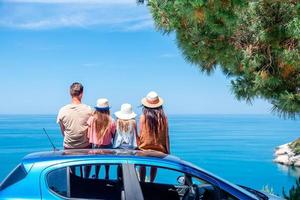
(288, 154)
(172, 114)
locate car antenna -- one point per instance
(54, 148)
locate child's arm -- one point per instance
(142, 122)
(113, 128)
(136, 138)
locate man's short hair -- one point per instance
(76, 89)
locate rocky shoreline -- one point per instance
(285, 155)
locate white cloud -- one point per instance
(43, 15)
(145, 24)
(167, 55)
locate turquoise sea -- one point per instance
(238, 148)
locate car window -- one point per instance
(57, 181)
(198, 181)
(223, 194)
(16, 175)
(81, 181)
(173, 184)
(166, 176)
(226, 196)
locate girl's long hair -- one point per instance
(155, 119)
(102, 120)
(126, 125)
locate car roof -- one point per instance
(77, 154)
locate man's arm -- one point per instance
(62, 128)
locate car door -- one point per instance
(69, 181)
(178, 181)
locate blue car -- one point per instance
(71, 174)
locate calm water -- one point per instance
(238, 148)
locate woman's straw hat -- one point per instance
(102, 104)
(152, 100)
(125, 112)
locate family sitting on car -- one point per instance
(86, 128)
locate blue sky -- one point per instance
(111, 47)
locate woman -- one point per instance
(126, 130)
(154, 132)
(101, 130)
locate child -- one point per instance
(126, 130)
(101, 130)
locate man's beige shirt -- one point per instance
(74, 117)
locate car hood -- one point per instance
(261, 195)
(271, 196)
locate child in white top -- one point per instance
(126, 130)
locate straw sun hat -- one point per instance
(152, 100)
(125, 112)
(102, 104)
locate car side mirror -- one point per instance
(181, 180)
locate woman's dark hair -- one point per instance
(155, 119)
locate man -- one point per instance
(73, 118)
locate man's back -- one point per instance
(74, 119)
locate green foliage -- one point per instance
(295, 146)
(294, 193)
(203, 29)
(256, 43)
(271, 52)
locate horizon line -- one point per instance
(167, 114)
